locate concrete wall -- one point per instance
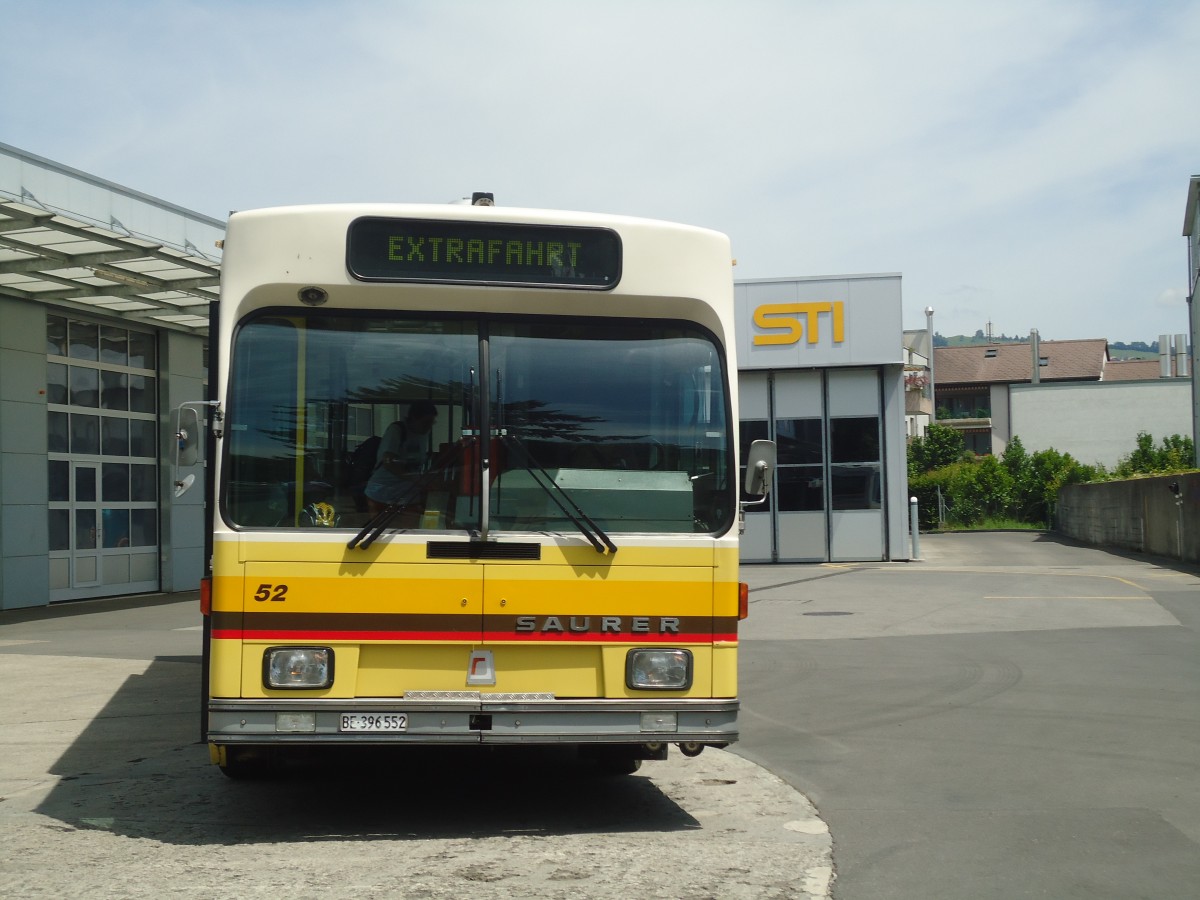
(1001, 419)
(24, 541)
(1137, 514)
(895, 460)
(1098, 422)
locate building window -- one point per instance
(978, 442)
(855, 470)
(968, 406)
(800, 476)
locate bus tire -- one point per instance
(617, 765)
(243, 765)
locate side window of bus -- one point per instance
(262, 425)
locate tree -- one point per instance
(1027, 492)
(1177, 454)
(940, 447)
(1015, 459)
(1143, 460)
(1049, 470)
(980, 490)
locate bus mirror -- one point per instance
(187, 437)
(184, 485)
(760, 468)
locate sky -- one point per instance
(1022, 164)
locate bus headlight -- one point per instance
(297, 667)
(658, 670)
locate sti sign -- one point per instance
(801, 323)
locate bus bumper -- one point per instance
(467, 718)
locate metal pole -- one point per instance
(932, 394)
(916, 531)
(1175, 489)
(1179, 526)
(1190, 223)
(1194, 323)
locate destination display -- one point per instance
(382, 249)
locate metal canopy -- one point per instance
(50, 257)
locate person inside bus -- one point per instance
(401, 458)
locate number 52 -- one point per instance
(276, 593)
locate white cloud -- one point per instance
(1024, 163)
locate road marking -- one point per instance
(1058, 597)
(16, 643)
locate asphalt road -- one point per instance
(1013, 716)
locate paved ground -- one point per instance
(1014, 716)
(104, 791)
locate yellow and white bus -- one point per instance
(476, 481)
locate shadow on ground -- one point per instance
(138, 770)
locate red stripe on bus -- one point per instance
(459, 637)
(331, 636)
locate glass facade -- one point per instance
(101, 392)
(827, 499)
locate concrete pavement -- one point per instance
(104, 790)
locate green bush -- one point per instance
(940, 447)
(977, 490)
(966, 503)
(924, 486)
(1018, 486)
(974, 491)
(1177, 454)
(1049, 470)
(993, 488)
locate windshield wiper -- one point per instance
(378, 522)
(558, 493)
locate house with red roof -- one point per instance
(1066, 395)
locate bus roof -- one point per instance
(272, 254)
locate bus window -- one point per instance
(314, 396)
(626, 417)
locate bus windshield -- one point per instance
(333, 417)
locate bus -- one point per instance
(474, 480)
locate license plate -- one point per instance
(372, 722)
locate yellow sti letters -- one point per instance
(786, 323)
